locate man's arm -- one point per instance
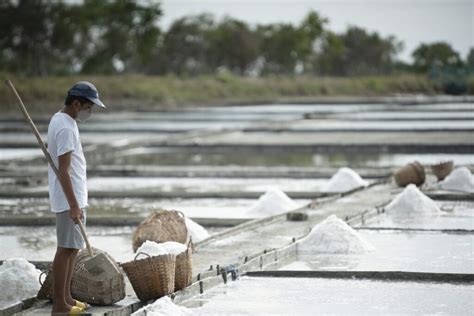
(66, 183)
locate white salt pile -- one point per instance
(345, 180)
(162, 307)
(19, 280)
(196, 231)
(157, 249)
(333, 236)
(412, 202)
(273, 202)
(460, 179)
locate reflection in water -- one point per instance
(421, 219)
(36, 242)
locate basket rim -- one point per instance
(164, 256)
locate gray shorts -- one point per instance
(68, 233)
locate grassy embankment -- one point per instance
(140, 92)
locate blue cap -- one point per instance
(86, 90)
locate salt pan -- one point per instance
(19, 280)
(163, 307)
(195, 231)
(273, 202)
(412, 202)
(345, 180)
(333, 236)
(460, 179)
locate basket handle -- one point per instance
(141, 253)
(190, 243)
(39, 277)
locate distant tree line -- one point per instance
(51, 37)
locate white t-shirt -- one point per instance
(63, 137)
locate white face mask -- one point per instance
(84, 115)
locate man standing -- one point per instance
(68, 192)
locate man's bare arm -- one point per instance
(66, 183)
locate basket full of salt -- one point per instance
(153, 275)
(161, 226)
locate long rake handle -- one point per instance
(46, 154)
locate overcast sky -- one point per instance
(412, 21)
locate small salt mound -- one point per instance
(157, 249)
(460, 179)
(19, 280)
(333, 236)
(273, 202)
(412, 201)
(345, 180)
(196, 231)
(162, 307)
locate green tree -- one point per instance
(284, 46)
(42, 37)
(185, 46)
(36, 37)
(331, 59)
(470, 60)
(357, 52)
(233, 46)
(121, 30)
(435, 55)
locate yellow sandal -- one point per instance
(81, 305)
(75, 310)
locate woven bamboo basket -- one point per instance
(161, 226)
(442, 169)
(184, 268)
(151, 277)
(46, 290)
(410, 173)
(96, 290)
(104, 289)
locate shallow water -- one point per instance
(19, 153)
(319, 125)
(39, 244)
(175, 156)
(194, 208)
(313, 296)
(412, 115)
(203, 184)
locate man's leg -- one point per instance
(60, 273)
(71, 265)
